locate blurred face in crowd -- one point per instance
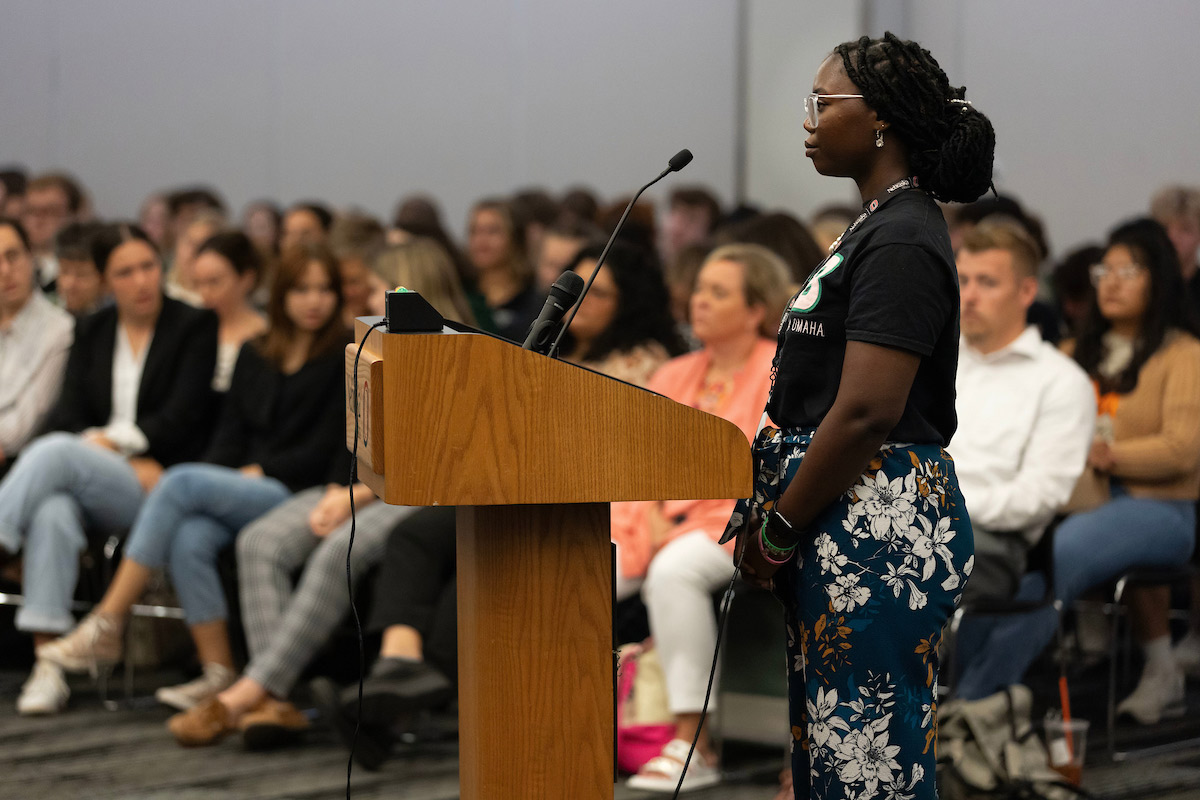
(1185, 235)
(219, 285)
(488, 239)
(155, 219)
(16, 272)
(261, 228)
(79, 284)
(994, 296)
(684, 225)
(134, 276)
(1123, 290)
(599, 307)
(356, 287)
(301, 226)
(555, 253)
(311, 301)
(719, 310)
(186, 246)
(46, 211)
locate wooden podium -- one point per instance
(531, 451)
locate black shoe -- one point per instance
(395, 689)
(374, 744)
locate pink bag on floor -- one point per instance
(644, 722)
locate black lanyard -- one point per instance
(873, 206)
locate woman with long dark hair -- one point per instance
(1138, 344)
(857, 517)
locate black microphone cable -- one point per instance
(712, 672)
(362, 654)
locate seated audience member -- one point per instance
(154, 217)
(51, 201)
(1144, 359)
(736, 307)
(286, 625)
(181, 280)
(305, 223)
(640, 230)
(692, 215)
(624, 327)
(414, 603)
(262, 221)
(828, 223)
(418, 215)
(282, 424)
(13, 181)
(225, 274)
(538, 211)
(1177, 208)
(80, 287)
(355, 240)
(579, 204)
(1025, 410)
(183, 205)
(1072, 285)
(424, 266)
(135, 398)
(782, 234)
(503, 274)
(561, 242)
(35, 337)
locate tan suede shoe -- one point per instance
(272, 724)
(203, 724)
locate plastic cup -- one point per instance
(1066, 743)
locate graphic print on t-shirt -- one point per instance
(807, 300)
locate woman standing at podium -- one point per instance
(857, 516)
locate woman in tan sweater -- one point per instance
(1139, 346)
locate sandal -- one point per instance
(661, 773)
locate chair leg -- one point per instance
(950, 648)
(1113, 656)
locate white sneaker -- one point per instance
(661, 773)
(1159, 694)
(1187, 655)
(215, 680)
(45, 692)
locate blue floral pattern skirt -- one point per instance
(867, 595)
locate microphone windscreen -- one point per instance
(680, 160)
(567, 288)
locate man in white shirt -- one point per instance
(1025, 411)
(35, 338)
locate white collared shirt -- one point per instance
(33, 358)
(122, 429)
(1025, 419)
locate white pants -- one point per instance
(679, 596)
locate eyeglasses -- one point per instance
(1125, 272)
(810, 105)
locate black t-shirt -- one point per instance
(892, 282)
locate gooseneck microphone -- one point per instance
(563, 295)
(677, 162)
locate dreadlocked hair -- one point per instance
(950, 144)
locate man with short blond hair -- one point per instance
(1025, 410)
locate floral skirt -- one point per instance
(867, 595)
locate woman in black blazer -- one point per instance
(136, 398)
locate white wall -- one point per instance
(364, 100)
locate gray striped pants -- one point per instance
(287, 624)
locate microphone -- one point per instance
(563, 295)
(677, 162)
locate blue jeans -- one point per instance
(1089, 548)
(58, 488)
(194, 513)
